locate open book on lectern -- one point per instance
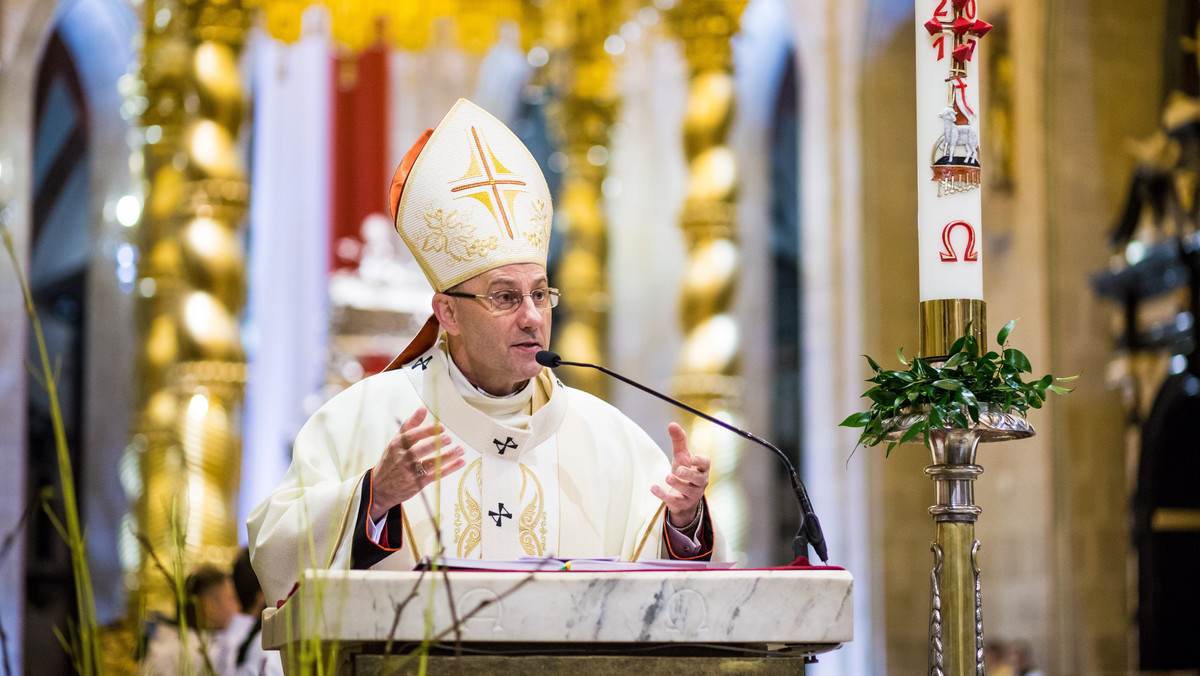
(549, 564)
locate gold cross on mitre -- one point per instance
(484, 178)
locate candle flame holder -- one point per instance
(944, 320)
(955, 605)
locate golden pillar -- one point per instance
(582, 73)
(707, 375)
(190, 289)
(358, 25)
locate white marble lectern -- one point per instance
(666, 622)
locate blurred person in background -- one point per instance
(994, 659)
(208, 612)
(1019, 660)
(250, 658)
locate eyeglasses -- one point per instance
(506, 300)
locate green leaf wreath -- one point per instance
(951, 392)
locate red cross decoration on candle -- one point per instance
(963, 27)
(956, 29)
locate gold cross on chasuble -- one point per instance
(484, 177)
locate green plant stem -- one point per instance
(85, 602)
(178, 566)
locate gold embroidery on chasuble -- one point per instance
(533, 514)
(467, 509)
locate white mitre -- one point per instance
(469, 198)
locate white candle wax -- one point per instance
(949, 224)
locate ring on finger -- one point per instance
(421, 471)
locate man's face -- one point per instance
(496, 351)
(218, 605)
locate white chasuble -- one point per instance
(499, 506)
(570, 480)
(504, 516)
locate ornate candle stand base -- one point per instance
(955, 608)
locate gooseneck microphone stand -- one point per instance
(809, 532)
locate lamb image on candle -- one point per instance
(958, 135)
(956, 174)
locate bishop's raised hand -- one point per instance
(686, 482)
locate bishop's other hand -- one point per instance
(414, 458)
(685, 483)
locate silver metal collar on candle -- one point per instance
(953, 450)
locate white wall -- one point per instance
(841, 487)
(24, 27)
(99, 35)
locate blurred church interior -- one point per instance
(196, 192)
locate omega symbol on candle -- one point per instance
(948, 254)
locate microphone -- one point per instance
(810, 528)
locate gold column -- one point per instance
(583, 73)
(190, 290)
(707, 375)
(955, 611)
(358, 25)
